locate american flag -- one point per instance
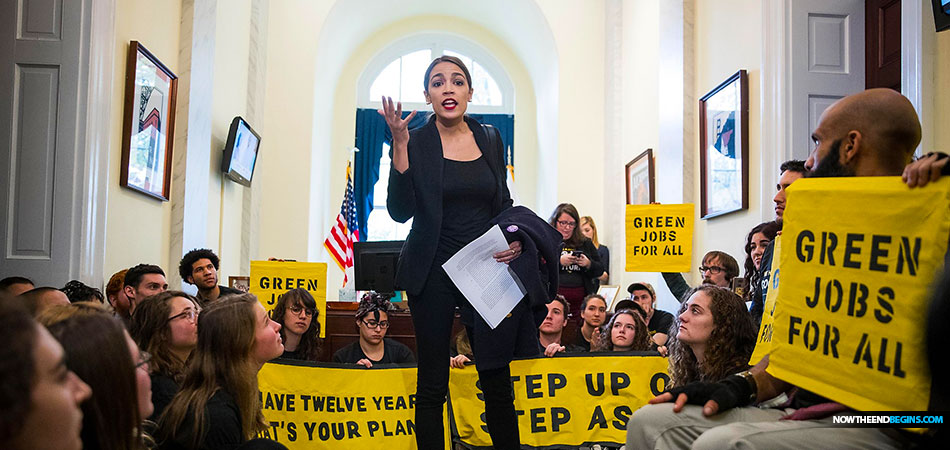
(344, 232)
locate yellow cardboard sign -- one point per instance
(563, 401)
(310, 406)
(659, 238)
(270, 279)
(763, 342)
(858, 261)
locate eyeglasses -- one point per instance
(144, 358)
(297, 309)
(190, 314)
(382, 324)
(711, 269)
(567, 223)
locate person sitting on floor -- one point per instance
(297, 314)
(372, 319)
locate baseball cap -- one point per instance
(641, 286)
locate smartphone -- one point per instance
(577, 253)
(740, 286)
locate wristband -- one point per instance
(752, 384)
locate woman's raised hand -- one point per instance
(393, 115)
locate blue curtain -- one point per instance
(372, 132)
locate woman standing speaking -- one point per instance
(449, 175)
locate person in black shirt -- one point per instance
(449, 177)
(594, 314)
(296, 312)
(580, 262)
(372, 319)
(658, 321)
(166, 326)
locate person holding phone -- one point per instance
(580, 262)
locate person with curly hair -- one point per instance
(166, 326)
(297, 314)
(711, 338)
(200, 268)
(77, 291)
(372, 319)
(626, 331)
(756, 243)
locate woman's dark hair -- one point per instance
(729, 346)
(577, 238)
(310, 345)
(769, 229)
(448, 59)
(587, 299)
(641, 341)
(77, 291)
(97, 351)
(18, 332)
(151, 330)
(373, 301)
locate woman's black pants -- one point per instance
(433, 311)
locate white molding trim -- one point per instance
(95, 165)
(774, 99)
(917, 43)
(437, 43)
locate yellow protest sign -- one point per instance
(563, 401)
(312, 406)
(857, 263)
(763, 342)
(269, 279)
(659, 238)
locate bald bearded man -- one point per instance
(873, 133)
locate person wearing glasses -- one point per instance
(166, 326)
(297, 314)
(580, 262)
(372, 319)
(100, 351)
(718, 269)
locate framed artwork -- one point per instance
(148, 130)
(724, 147)
(242, 284)
(610, 293)
(641, 184)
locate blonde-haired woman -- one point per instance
(218, 406)
(589, 230)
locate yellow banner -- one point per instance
(269, 279)
(314, 407)
(659, 238)
(858, 261)
(763, 343)
(563, 401)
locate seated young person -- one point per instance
(718, 269)
(756, 243)
(372, 319)
(40, 395)
(712, 337)
(658, 321)
(101, 352)
(549, 333)
(297, 314)
(166, 326)
(219, 404)
(626, 331)
(593, 313)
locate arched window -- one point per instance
(398, 72)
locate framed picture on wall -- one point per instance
(242, 284)
(641, 185)
(724, 147)
(148, 130)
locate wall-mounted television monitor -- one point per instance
(374, 266)
(942, 14)
(240, 152)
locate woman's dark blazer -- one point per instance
(417, 194)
